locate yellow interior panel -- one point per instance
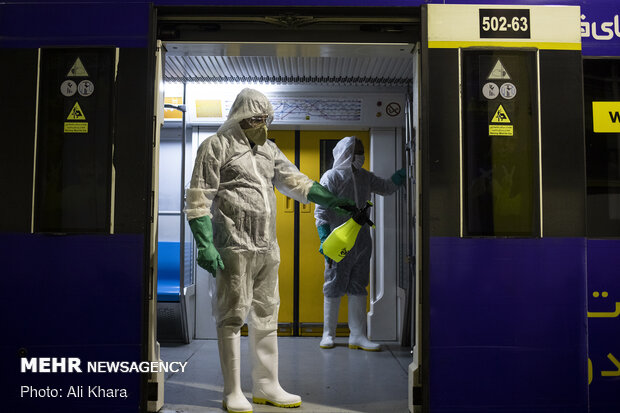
(311, 262)
(285, 231)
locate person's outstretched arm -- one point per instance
(292, 183)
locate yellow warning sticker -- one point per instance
(77, 70)
(606, 117)
(76, 127)
(500, 116)
(501, 130)
(76, 113)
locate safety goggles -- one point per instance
(255, 121)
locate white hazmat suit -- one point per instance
(233, 184)
(351, 275)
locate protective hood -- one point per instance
(249, 102)
(344, 152)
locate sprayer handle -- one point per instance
(365, 209)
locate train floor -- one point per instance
(337, 380)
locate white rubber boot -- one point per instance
(266, 387)
(330, 321)
(357, 325)
(229, 344)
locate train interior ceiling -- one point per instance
(321, 92)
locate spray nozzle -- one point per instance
(361, 215)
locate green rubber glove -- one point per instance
(321, 195)
(399, 177)
(208, 257)
(324, 232)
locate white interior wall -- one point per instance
(169, 184)
(383, 319)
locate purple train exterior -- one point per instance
(514, 324)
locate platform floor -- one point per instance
(336, 380)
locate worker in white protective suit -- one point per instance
(350, 276)
(231, 208)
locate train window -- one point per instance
(500, 143)
(602, 85)
(74, 141)
(327, 154)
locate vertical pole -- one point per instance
(296, 224)
(182, 201)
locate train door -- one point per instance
(413, 219)
(76, 241)
(156, 380)
(285, 227)
(362, 70)
(301, 269)
(503, 210)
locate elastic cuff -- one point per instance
(324, 231)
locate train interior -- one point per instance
(321, 92)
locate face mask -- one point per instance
(358, 161)
(257, 135)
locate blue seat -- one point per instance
(168, 271)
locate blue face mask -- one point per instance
(358, 161)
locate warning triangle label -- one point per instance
(498, 72)
(77, 70)
(500, 116)
(76, 113)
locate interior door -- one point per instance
(285, 221)
(301, 301)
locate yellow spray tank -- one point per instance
(342, 239)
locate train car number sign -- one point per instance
(504, 23)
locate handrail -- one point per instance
(379, 276)
(169, 213)
(181, 214)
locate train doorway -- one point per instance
(354, 75)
